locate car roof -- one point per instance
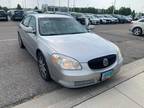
(50, 16)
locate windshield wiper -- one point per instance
(77, 32)
(62, 34)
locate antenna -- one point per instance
(38, 3)
(68, 6)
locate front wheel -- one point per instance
(137, 31)
(43, 68)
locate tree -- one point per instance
(110, 9)
(19, 7)
(133, 14)
(5, 9)
(125, 11)
(36, 8)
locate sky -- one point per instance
(137, 5)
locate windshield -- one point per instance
(59, 26)
(92, 17)
(19, 12)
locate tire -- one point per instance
(21, 45)
(101, 22)
(43, 68)
(137, 31)
(7, 19)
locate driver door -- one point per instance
(32, 37)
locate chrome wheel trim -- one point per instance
(42, 67)
(137, 31)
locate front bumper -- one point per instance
(3, 18)
(84, 77)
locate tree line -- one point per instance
(122, 10)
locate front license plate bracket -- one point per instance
(106, 75)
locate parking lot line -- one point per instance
(4, 40)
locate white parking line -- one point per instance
(5, 40)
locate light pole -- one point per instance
(68, 6)
(73, 5)
(10, 4)
(59, 6)
(38, 3)
(54, 7)
(25, 3)
(114, 7)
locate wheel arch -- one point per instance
(137, 27)
(38, 51)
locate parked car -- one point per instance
(137, 27)
(141, 17)
(3, 15)
(80, 17)
(113, 19)
(38, 11)
(49, 12)
(29, 12)
(129, 19)
(121, 18)
(62, 13)
(66, 52)
(92, 19)
(16, 15)
(103, 20)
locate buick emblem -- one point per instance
(105, 62)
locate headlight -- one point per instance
(65, 62)
(119, 53)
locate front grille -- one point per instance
(102, 62)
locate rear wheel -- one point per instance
(20, 41)
(43, 68)
(137, 31)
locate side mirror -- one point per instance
(90, 27)
(31, 30)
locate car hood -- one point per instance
(83, 47)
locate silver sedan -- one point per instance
(66, 52)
